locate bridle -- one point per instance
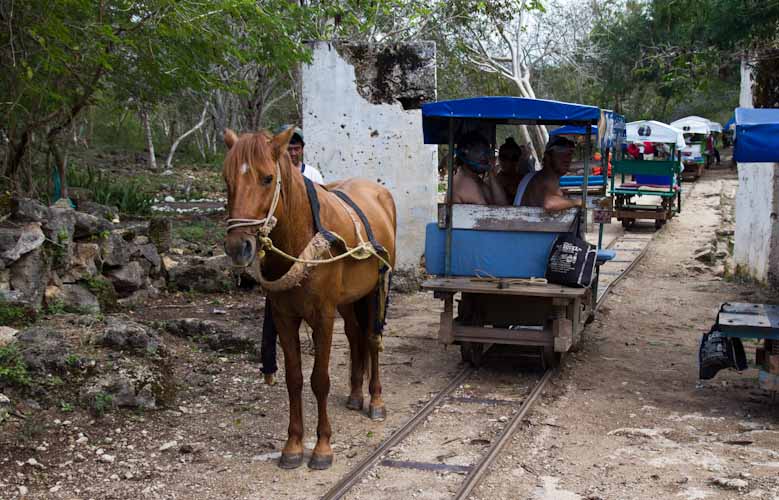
(269, 222)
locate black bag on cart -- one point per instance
(571, 261)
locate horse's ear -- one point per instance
(281, 140)
(230, 138)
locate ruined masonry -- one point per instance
(362, 118)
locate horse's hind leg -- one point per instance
(366, 313)
(322, 457)
(292, 454)
(358, 353)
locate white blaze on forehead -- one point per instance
(244, 168)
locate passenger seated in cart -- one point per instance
(476, 179)
(514, 162)
(542, 188)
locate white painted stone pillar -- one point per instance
(355, 125)
(756, 250)
(757, 234)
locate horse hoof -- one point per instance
(320, 462)
(354, 404)
(377, 412)
(291, 461)
(269, 379)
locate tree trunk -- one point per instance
(62, 165)
(169, 160)
(149, 138)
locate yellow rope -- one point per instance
(360, 252)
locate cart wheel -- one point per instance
(626, 223)
(551, 359)
(659, 223)
(472, 352)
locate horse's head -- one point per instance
(252, 171)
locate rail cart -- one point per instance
(649, 189)
(695, 156)
(487, 260)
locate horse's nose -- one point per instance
(247, 250)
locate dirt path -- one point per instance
(628, 418)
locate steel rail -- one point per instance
(476, 475)
(345, 484)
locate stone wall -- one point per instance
(362, 118)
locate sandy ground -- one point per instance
(626, 419)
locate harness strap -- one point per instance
(313, 200)
(363, 219)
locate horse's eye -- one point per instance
(267, 180)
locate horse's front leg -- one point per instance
(322, 457)
(288, 328)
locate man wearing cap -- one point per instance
(295, 151)
(269, 333)
(542, 188)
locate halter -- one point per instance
(269, 222)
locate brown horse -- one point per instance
(254, 167)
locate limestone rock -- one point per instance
(28, 210)
(98, 210)
(30, 238)
(123, 334)
(83, 263)
(43, 349)
(77, 298)
(218, 336)
(61, 225)
(114, 250)
(128, 278)
(213, 274)
(29, 276)
(129, 385)
(88, 225)
(7, 335)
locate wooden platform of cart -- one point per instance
(557, 313)
(756, 321)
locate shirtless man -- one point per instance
(475, 181)
(542, 188)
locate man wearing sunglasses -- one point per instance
(475, 181)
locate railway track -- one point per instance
(633, 246)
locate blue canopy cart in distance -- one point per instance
(757, 135)
(496, 256)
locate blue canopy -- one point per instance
(476, 112)
(757, 135)
(729, 123)
(573, 130)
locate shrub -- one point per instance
(13, 369)
(130, 196)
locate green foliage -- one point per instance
(13, 369)
(129, 195)
(72, 360)
(102, 403)
(66, 407)
(203, 231)
(11, 314)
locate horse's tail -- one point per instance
(362, 310)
